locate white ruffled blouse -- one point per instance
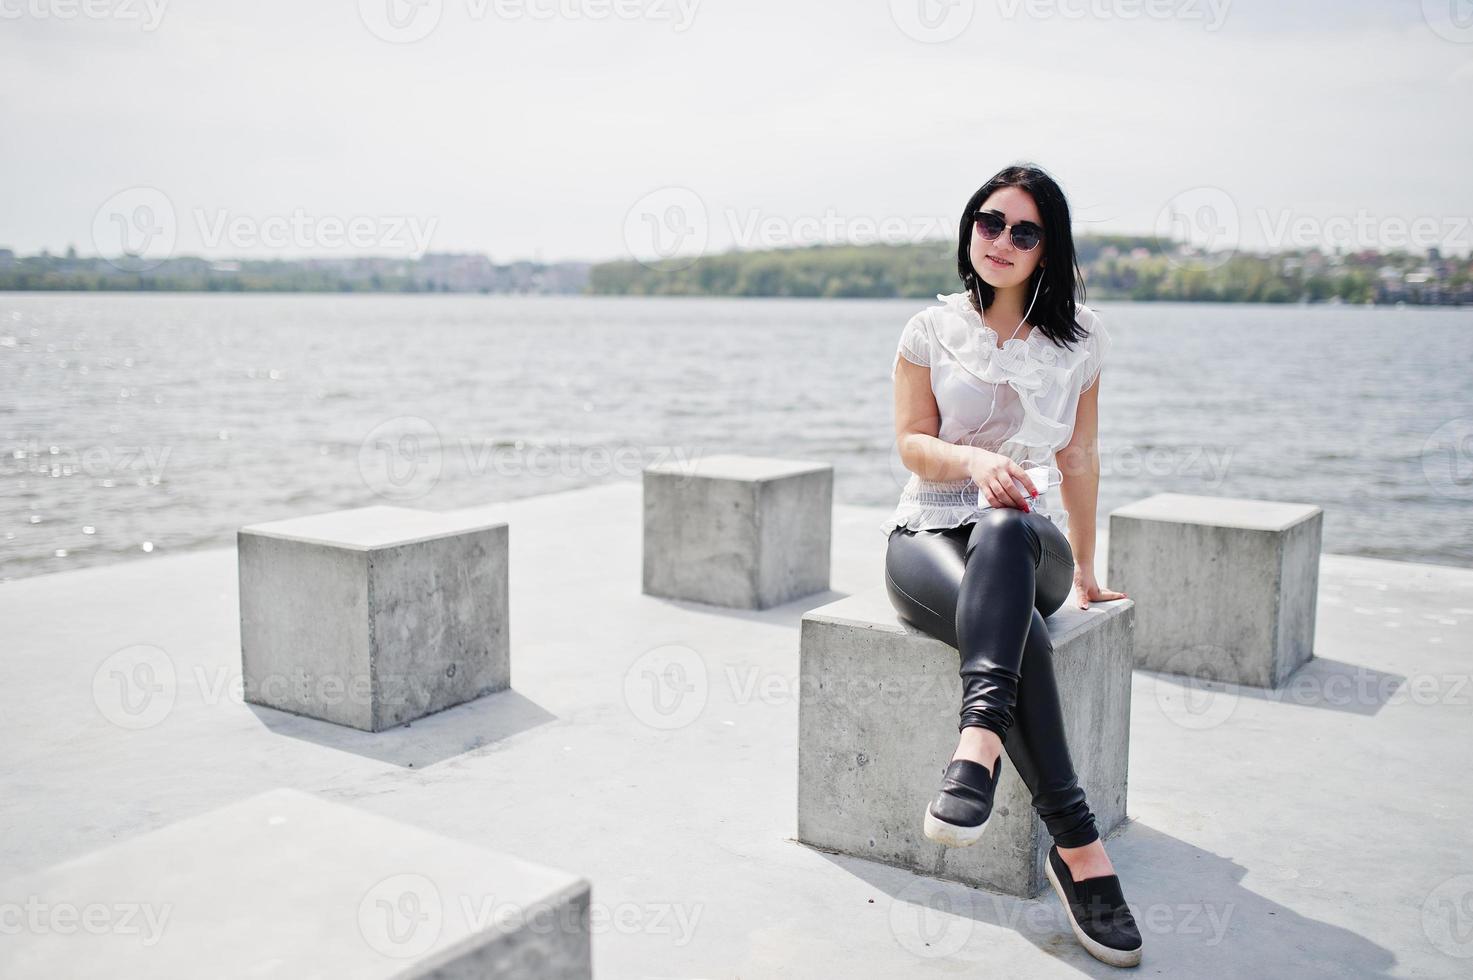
(1037, 384)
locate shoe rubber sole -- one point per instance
(950, 834)
(1101, 952)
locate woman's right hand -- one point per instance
(994, 474)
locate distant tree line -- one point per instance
(433, 273)
(818, 271)
(1133, 267)
(1113, 266)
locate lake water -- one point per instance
(134, 425)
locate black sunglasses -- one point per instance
(1025, 235)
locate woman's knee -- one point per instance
(1004, 528)
(998, 518)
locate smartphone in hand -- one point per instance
(1038, 474)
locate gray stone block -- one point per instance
(877, 715)
(285, 884)
(373, 617)
(738, 531)
(1226, 587)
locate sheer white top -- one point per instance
(1037, 384)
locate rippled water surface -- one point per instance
(133, 426)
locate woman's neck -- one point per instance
(1006, 311)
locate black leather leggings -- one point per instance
(986, 588)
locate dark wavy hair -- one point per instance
(1063, 285)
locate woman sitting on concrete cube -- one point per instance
(996, 418)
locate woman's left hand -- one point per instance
(1087, 590)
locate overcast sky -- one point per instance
(539, 129)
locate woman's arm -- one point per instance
(917, 423)
(925, 453)
(1079, 462)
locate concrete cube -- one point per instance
(738, 531)
(373, 617)
(879, 702)
(285, 884)
(1226, 587)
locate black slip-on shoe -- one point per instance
(959, 813)
(1101, 920)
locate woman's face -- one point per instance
(998, 262)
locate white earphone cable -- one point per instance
(993, 405)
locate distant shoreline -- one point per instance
(1091, 298)
(1114, 268)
